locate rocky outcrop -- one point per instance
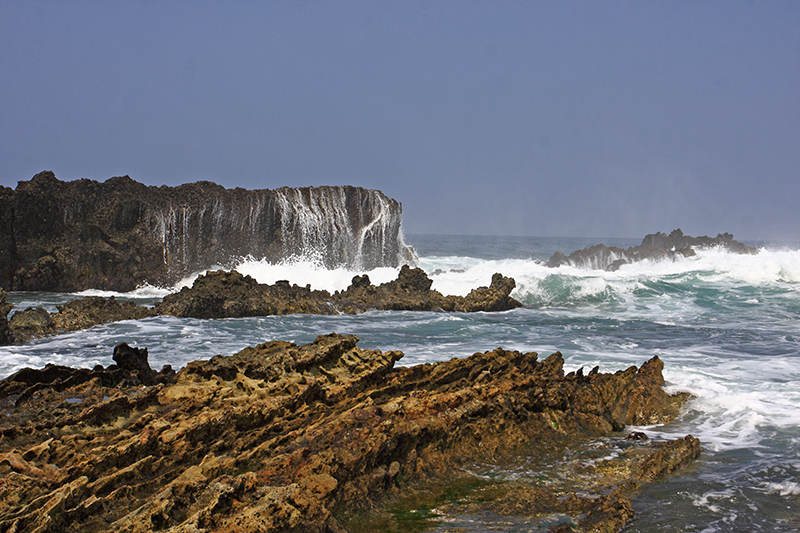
(70, 236)
(72, 316)
(656, 246)
(281, 437)
(131, 370)
(222, 294)
(6, 336)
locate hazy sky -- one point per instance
(596, 119)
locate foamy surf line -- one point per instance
(537, 285)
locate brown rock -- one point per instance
(230, 294)
(282, 437)
(72, 316)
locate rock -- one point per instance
(280, 437)
(493, 298)
(70, 236)
(6, 336)
(30, 323)
(656, 246)
(135, 360)
(222, 294)
(72, 316)
(92, 310)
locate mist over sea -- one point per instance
(726, 326)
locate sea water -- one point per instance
(726, 326)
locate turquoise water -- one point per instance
(726, 327)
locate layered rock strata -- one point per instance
(312, 438)
(71, 236)
(654, 247)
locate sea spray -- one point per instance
(725, 325)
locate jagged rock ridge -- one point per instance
(655, 246)
(281, 438)
(222, 294)
(68, 236)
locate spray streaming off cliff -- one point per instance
(335, 227)
(120, 234)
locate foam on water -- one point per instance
(301, 271)
(725, 326)
(143, 292)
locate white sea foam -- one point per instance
(785, 488)
(143, 292)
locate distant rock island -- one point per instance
(654, 247)
(70, 236)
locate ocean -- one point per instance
(726, 326)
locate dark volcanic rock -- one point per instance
(69, 236)
(655, 246)
(132, 370)
(282, 437)
(222, 294)
(6, 336)
(72, 316)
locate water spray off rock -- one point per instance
(117, 235)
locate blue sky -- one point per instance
(595, 119)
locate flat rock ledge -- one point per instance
(327, 437)
(229, 294)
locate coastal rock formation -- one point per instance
(281, 438)
(72, 316)
(70, 236)
(655, 246)
(221, 294)
(131, 370)
(6, 336)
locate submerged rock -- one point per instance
(655, 246)
(281, 437)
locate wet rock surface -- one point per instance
(72, 316)
(116, 235)
(222, 294)
(229, 294)
(655, 246)
(6, 337)
(321, 438)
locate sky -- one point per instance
(536, 118)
